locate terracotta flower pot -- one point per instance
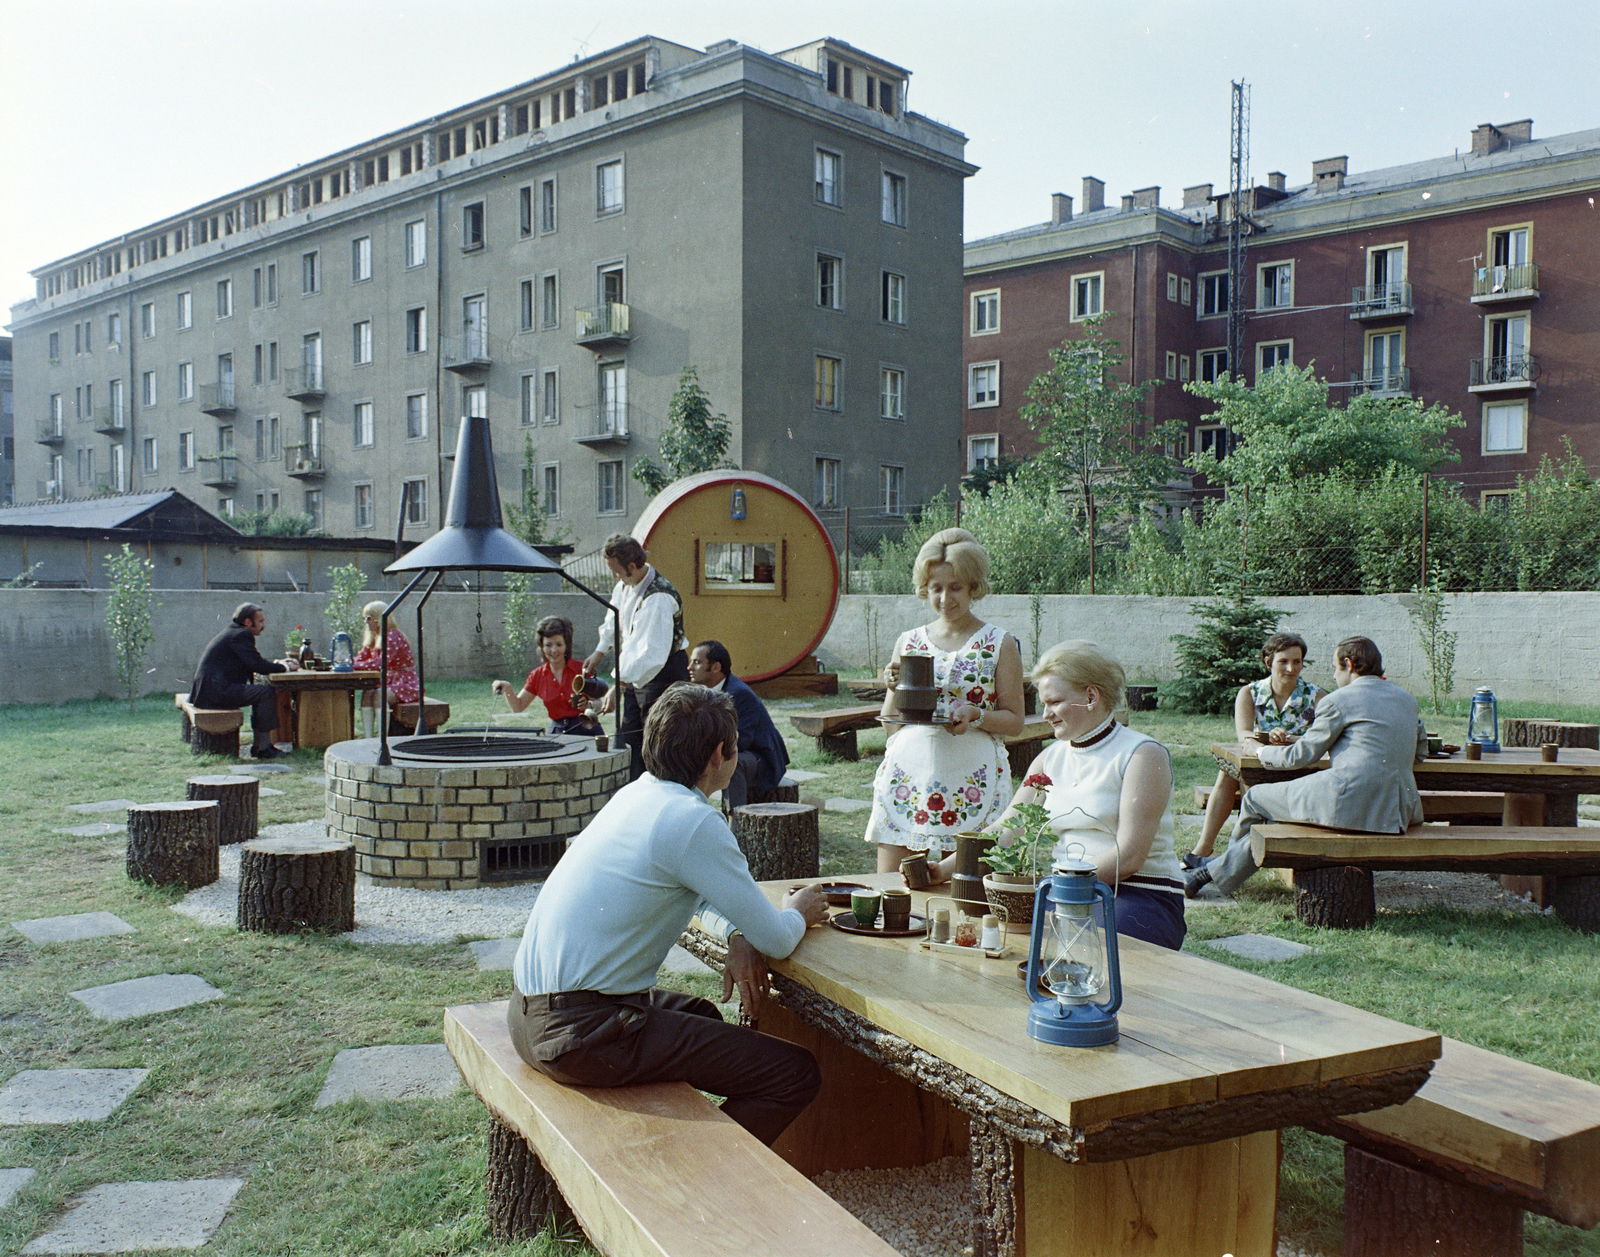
(1014, 894)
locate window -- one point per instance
(551, 476)
(472, 225)
(549, 301)
(1172, 365)
(829, 169)
(55, 339)
(525, 304)
(1386, 265)
(608, 188)
(1086, 293)
(147, 390)
(983, 384)
(525, 211)
(1213, 364)
(985, 312)
(1213, 294)
(610, 498)
(55, 410)
(475, 400)
(260, 373)
(1172, 286)
(549, 398)
(1187, 291)
(530, 399)
(114, 328)
(314, 506)
(1505, 427)
(1211, 439)
(830, 282)
(1495, 500)
(1508, 247)
(360, 259)
(1274, 285)
(983, 451)
(612, 286)
(257, 288)
(1386, 361)
(417, 330)
(825, 483)
(151, 458)
(364, 433)
(363, 505)
(613, 398)
(274, 439)
(547, 207)
(416, 416)
(224, 298)
(894, 199)
(361, 342)
(310, 274)
(1183, 368)
(892, 489)
(827, 380)
(475, 327)
(118, 411)
(185, 310)
(1507, 342)
(416, 243)
(311, 434)
(224, 438)
(85, 465)
(894, 297)
(185, 381)
(891, 393)
(272, 361)
(186, 451)
(1273, 354)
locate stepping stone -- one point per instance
(496, 953)
(79, 925)
(798, 775)
(139, 997)
(53, 1097)
(97, 830)
(847, 805)
(1261, 947)
(105, 805)
(680, 961)
(267, 790)
(245, 770)
(12, 1182)
(396, 1072)
(124, 1217)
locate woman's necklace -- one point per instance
(1099, 733)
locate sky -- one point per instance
(117, 115)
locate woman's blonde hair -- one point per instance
(960, 549)
(368, 637)
(1082, 664)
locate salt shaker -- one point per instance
(941, 925)
(991, 938)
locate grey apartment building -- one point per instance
(551, 256)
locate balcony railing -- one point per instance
(1392, 383)
(608, 423)
(604, 327)
(1505, 283)
(303, 462)
(50, 433)
(1380, 301)
(467, 353)
(217, 399)
(1507, 372)
(221, 471)
(303, 384)
(111, 421)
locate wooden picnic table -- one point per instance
(319, 708)
(1164, 1143)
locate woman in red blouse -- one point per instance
(402, 666)
(551, 681)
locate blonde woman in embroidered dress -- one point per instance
(952, 776)
(1110, 791)
(1276, 709)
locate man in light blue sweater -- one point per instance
(586, 1011)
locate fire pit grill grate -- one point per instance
(448, 746)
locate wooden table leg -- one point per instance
(1529, 809)
(324, 718)
(286, 717)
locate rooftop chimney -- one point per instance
(1519, 132)
(1200, 194)
(722, 45)
(1094, 194)
(1277, 181)
(1147, 198)
(1489, 138)
(1060, 208)
(1328, 174)
(1127, 204)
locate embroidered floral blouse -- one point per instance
(1297, 713)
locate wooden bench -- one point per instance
(208, 730)
(1453, 1168)
(653, 1169)
(403, 719)
(835, 732)
(1454, 807)
(1333, 870)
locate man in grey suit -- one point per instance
(1371, 732)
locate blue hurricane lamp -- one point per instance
(341, 653)
(1483, 720)
(1068, 950)
(739, 510)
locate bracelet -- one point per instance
(732, 934)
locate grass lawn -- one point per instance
(232, 1082)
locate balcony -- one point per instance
(217, 399)
(1380, 301)
(608, 424)
(303, 462)
(221, 471)
(605, 328)
(304, 384)
(1394, 383)
(468, 353)
(1504, 283)
(110, 421)
(1509, 373)
(50, 433)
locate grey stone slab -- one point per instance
(395, 1072)
(12, 1182)
(53, 1097)
(1261, 947)
(240, 770)
(105, 805)
(266, 790)
(137, 997)
(847, 805)
(128, 1217)
(78, 925)
(798, 775)
(680, 961)
(496, 953)
(96, 830)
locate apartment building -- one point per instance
(551, 256)
(1467, 280)
(8, 440)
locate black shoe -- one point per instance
(266, 752)
(1194, 880)
(1190, 860)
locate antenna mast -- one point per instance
(1240, 192)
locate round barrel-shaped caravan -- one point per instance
(753, 563)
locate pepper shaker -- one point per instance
(941, 926)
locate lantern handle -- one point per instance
(1041, 896)
(1113, 963)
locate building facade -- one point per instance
(552, 256)
(1468, 281)
(8, 439)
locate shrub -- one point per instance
(1222, 654)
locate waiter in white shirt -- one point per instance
(654, 652)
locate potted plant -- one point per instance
(1017, 864)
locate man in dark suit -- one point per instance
(225, 677)
(762, 754)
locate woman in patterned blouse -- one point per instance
(1276, 709)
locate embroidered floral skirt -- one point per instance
(933, 785)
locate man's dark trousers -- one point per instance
(637, 702)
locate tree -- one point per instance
(344, 608)
(130, 607)
(991, 472)
(1222, 654)
(1285, 431)
(1438, 645)
(694, 439)
(529, 521)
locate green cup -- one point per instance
(865, 904)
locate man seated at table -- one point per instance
(223, 678)
(1371, 733)
(762, 753)
(586, 1011)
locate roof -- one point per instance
(166, 511)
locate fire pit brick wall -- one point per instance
(420, 825)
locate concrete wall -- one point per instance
(1539, 646)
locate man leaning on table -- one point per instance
(1371, 732)
(586, 1010)
(223, 677)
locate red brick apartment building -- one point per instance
(1471, 280)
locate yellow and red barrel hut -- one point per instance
(753, 563)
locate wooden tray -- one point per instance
(846, 921)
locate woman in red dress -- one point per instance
(551, 682)
(402, 666)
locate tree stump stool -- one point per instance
(778, 839)
(1335, 898)
(784, 793)
(287, 885)
(1536, 731)
(174, 843)
(238, 803)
